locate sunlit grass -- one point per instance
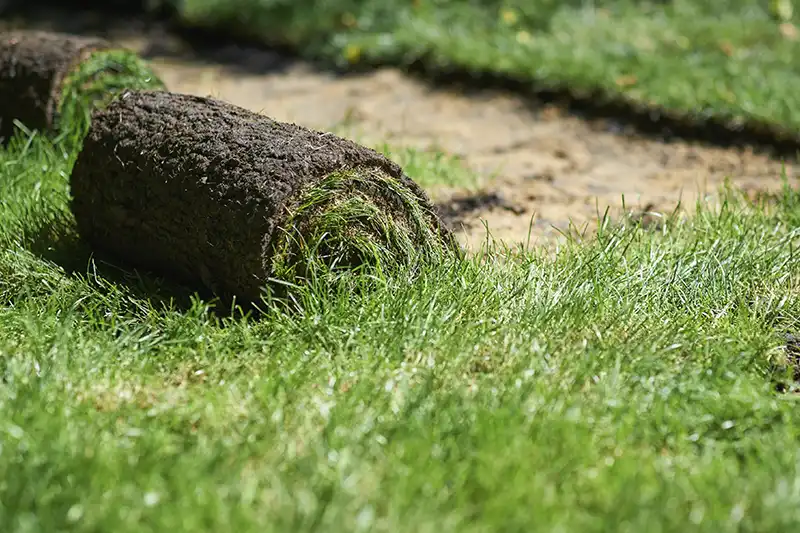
(626, 384)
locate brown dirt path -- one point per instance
(546, 166)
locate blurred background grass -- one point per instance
(733, 60)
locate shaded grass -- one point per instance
(620, 385)
(729, 60)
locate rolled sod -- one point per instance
(215, 195)
(52, 81)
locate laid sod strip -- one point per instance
(52, 81)
(724, 72)
(218, 196)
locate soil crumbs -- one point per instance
(545, 171)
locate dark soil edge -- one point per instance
(646, 120)
(655, 121)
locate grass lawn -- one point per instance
(736, 60)
(622, 385)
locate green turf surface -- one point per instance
(623, 385)
(727, 59)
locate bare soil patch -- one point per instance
(544, 167)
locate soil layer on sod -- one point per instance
(52, 81)
(218, 196)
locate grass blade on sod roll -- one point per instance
(52, 81)
(227, 199)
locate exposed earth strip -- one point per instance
(543, 168)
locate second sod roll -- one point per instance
(52, 81)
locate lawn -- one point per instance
(736, 61)
(626, 384)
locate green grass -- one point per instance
(726, 59)
(623, 385)
(94, 83)
(434, 169)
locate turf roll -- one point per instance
(52, 81)
(216, 195)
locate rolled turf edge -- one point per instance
(52, 81)
(217, 196)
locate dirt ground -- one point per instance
(545, 168)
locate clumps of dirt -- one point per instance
(230, 200)
(460, 210)
(52, 81)
(788, 369)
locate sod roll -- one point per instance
(52, 81)
(213, 194)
